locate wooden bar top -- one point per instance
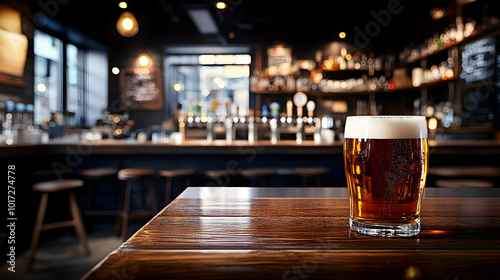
(302, 233)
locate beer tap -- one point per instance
(210, 121)
(210, 129)
(310, 106)
(251, 129)
(274, 130)
(229, 130)
(300, 130)
(275, 107)
(289, 110)
(300, 99)
(317, 131)
(312, 120)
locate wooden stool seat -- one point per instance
(128, 175)
(98, 173)
(46, 188)
(258, 176)
(212, 174)
(93, 177)
(463, 183)
(135, 173)
(310, 172)
(257, 172)
(461, 171)
(222, 178)
(57, 185)
(172, 174)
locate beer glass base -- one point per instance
(385, 230)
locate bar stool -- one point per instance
(306, 173)
(222, 178)
(93, 177)
(175, 174)
(253, 175)
(127, 176)
(465, 176)
(463, 183)
(47, 187)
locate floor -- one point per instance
(60, 257)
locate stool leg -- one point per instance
(318, 180)
(119, 216)
(268, 181)
(168, 191)
(126, 210)
(38, 228)
(91, 198)
(143, 196)
(91, 204)
(152, 196)
(78, 223)
(304, 181)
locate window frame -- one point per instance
(80, 116)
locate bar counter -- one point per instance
(220, 147)
(297, 233)
(67, 157)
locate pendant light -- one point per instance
(127, 25)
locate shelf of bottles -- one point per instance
(417, 57)
(18, 127)
(345, 73)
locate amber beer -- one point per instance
(385, 160)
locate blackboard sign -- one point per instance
(477, 105)
(478, 61)
(278, 55)
(141, 88)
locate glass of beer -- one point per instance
(385, 160)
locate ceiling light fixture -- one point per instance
(342, 35)
(127, 25)
(203, 20)
(437, 13)
(220, 5)
(123, 5)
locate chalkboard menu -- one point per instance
(478, 105)
(478, 61)
(141, 88)
(278, 55)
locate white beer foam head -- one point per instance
(385, 127)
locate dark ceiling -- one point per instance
(301, 24)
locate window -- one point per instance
(195, 81)
(75, 83)
(54, 91)
(48, 83)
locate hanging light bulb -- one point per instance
(144, 60)
(127, 25)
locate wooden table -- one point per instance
(303, 233)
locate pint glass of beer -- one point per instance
(385, 160)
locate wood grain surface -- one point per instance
(298, 264)
(205, 235)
